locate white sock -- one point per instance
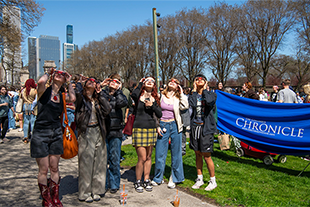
(200, 177)
(212, 179)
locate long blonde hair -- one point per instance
(177, 93)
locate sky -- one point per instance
(97, 19)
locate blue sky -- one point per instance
(94, 20)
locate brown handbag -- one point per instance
(70, 143)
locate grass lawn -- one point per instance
(242, 181)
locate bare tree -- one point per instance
(222, 39)
(302, 8)
(192, 32)
(265, 23)
(168, 48)
(17, 20)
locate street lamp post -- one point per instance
(156, 46)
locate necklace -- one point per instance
(55, 96)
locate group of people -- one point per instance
(99, 111)
(285, 94)
(18, 105)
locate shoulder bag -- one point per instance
(130, 120)
(70, 143)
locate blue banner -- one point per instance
(273, 127)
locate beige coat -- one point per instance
(179, 105)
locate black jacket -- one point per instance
(209, 123)
(115, 118)
(84, 110)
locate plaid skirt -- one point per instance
(144, 137)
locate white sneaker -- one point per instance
(171, 184)
(89, 199)
(20, 130)
(156, 184)
(211, 186)
(96, 197)
(199, 182)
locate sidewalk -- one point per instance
(18, 182)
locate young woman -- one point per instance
(91, 111)
(117, 100)
(147, 108)
(249, 92)
(5, 105)
(47, 144)
(203, 126)
(173, 101)
(28, 96)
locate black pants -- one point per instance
(4, 121)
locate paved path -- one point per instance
(18, 182)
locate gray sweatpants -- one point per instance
(92, 163)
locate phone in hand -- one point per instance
(147, 99)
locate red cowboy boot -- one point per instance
(55, 192)
(46, 196)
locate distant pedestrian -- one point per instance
(286, 95)
(249, 92)
(5, 105)
(28, 95)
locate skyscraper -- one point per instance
(12, 60)
(70, 34)
(68, 47)
(46, 48)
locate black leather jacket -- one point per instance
(84, 110)
(114, 120)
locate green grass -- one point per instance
(242, 181)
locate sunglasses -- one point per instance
(174, 81)
(92, 80)
(150, 79)
(61, 73)
(199, 78)
(116, 81)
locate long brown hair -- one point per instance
(177, 93)
(154, 93)
(95, 94)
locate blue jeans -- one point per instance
(12, 123)
(70, 115)
(114, 155)
(28, 119)
(176, 153)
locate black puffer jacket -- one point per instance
(114, 120)
(84, 110)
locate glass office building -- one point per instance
(68, 47)
(70, 34)
(46, 48)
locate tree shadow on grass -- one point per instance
(259, 164)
